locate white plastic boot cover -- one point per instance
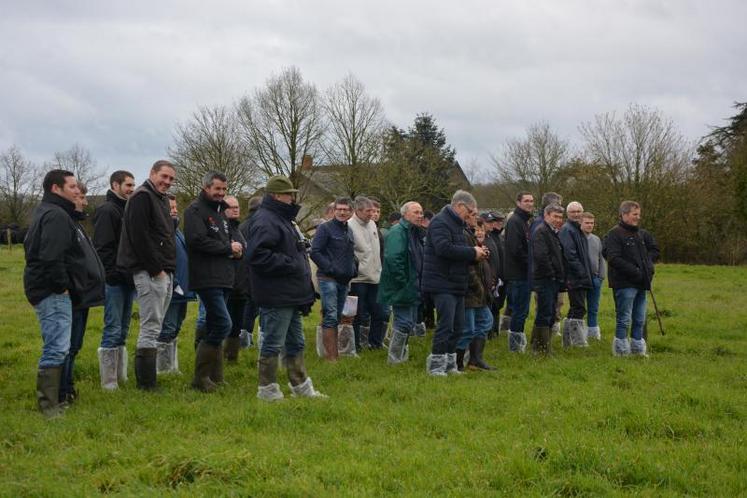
(594, 333)
(397, 347)
(517, 342)
(346, 341)
(638, 347)
(620, 347)
(270, 392)
(108, 360)
(435, 365)
(451, 365)
(306, 390)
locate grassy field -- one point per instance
(579, 423)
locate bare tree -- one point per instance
(19, 186)
(532, 163)
(282, 123)
(212, 141)
(353, 140)
(79, 161)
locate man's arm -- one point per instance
(262, 252)
(318, 246)
(54, 243)
(444, 247)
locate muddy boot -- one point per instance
(216, 371)
(476, 349)
(460, 359)
(108, 362)
(145, 368)
(204, 359)
(268, 388)
(300, 383)
(541, 340)
(231, 346)
(48, 391)
(329, 338)
(200, 333)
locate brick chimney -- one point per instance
(307, 162)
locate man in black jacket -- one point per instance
(445, 276)
(333, 251)
(212, 247)
(631, 268)
(548, 275)
(578, 272)
(119, 290)
(516, 269)
(147, 249)
(54, 263)
(280, 279)
(239, 297)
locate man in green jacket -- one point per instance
(399, 279)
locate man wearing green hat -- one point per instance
(280, 280)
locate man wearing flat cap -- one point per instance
(280, 281)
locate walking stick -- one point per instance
(656, 310)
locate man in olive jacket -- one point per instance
(212, 247)
(398, 286)
(147, 249)
(280, 281)
(631, 268)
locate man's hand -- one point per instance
(481, 253)
(237, 249)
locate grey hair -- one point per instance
(554, 208)
(362, 202)
(463, 197)
(551, 198)
(406, 207)
(574, 204)
(207, 180)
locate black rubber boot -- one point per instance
(460, 359)
(145, 368)
(48, 391)
(204, 359)
(231, 346)
(476, 349)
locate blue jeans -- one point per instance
(333, 300)
(404, 318)
(117, 312)
(370, 313)
(547, 298)
(55, 315)
(217, 319)
(282, 328)
(201, 314)
(519, 294)
(172, 321)
(592, 302)
(477, 324)
(630, 304)
(450, 313)
(77, 331)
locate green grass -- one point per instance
(581, 423)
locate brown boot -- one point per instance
(329, 337)
(296, 369)
(231, 346)
(204, 359)
(541, 340)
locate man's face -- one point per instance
(233, 211)
(467, 213)
(555, 220)
(498, 225)
(480, 234)
(414, 214)
(343, 212)
(365, 214)
(216, 191)
(284, 198)
(163, 178)
(633, 217)
(587, 225)
(376, 214)
(173, 211)
(69, 190)
(575, 210)
(124, 189)
(526, 203)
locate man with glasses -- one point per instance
(445, 276)
(333, 251)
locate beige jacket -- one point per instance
(367, 250)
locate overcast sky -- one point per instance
(116, 77)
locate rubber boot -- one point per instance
(268, 388)
(122, 361)
(460, 359)
(329, 338)
(541, 340)
(204, 359)
(145, 368)
(231, 346)
(48, 391)
(476, 349)
(108, 364)
(216, 371)
(200, 333)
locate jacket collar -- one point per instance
(60, 201)
(149, 185)
(217, 206)
(112, 197)
(521, 213)
(627, 227)
(453, 214)
(286, 211)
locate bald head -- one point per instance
(233, 212)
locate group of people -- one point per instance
(458, 263)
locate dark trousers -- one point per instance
(172, 321)
(577, 298)
(77, 331)
(427, 312)
(547, 297)
(519, 295)
(217, 319)
(370, 313)
(236, 307)
(251, 312)
(450, 312)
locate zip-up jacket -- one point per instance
(547, 255)
(516, 247)
(576, 254)
(333, 251)
(107, 228)
(447, 254)
(629, 259)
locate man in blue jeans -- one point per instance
(280, 282)
(446, 258)
(631, 269)
(333, 252)
(212, 246)
(516, 269)
(54, 262)
(598, 274)
(120, 289)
